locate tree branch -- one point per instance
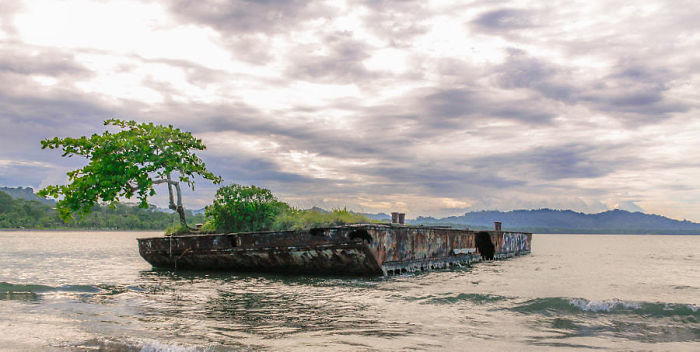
(168, 181)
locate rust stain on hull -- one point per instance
(349, 250)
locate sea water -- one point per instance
(90, 291)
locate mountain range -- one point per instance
(568, 221)
(26, 193)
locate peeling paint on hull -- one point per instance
(344, 250)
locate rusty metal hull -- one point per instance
(348, 250)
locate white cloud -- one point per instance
(425, 107)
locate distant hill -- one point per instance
(197, 211)
(378, 216)
(371, 216)
(26, 193)
(567, 221)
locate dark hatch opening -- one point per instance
(361, 233)
(317, 231)
(484, 245)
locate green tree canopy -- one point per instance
(238, 208)
(125, 164)
(6, 202)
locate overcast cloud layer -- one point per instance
(432, 108)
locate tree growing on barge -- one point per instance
(128, 163)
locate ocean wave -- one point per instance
(477, 298)
(614, 306)
(7, 289)
(136, 345)
(469, 297)
(603, 306)
(157, 346)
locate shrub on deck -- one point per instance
(238, 208)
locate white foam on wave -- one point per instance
(692, 307)
(157, 346)
(134, 344)
(602, 306)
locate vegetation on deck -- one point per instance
(238, 208)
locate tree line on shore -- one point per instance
(32, 214)
(236, 208)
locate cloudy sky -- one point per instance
(428, 107)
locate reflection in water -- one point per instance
(19, 296)
(266, 305)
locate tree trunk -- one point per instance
(180, 209)
(181, 212)
(177, 207)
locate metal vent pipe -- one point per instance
(394, 218)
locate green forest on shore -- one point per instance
(33, 214)
(236, 209)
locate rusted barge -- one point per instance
(365, 249)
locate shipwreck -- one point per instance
(361, 249)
